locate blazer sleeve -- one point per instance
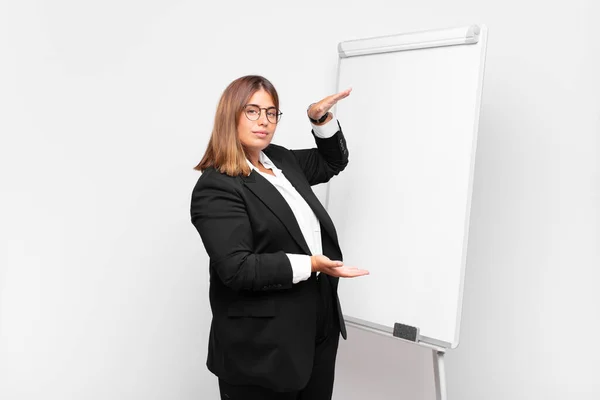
(327, 160)
(219, 214)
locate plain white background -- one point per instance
(106, 106)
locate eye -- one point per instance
(272, 112)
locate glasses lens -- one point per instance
(252, 112)
(273, 115)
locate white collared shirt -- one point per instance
(306, 218)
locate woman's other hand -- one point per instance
(337, 269)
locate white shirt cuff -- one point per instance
(301, 267)
(326, 130)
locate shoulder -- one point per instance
(215, 192)
(212, 179)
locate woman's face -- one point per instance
(256, 135)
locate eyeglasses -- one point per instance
(253, 113)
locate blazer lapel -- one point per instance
(271, 197)
(297, 179)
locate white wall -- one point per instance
(106, 106)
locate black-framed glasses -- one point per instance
(253, 113)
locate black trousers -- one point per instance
(320, 384)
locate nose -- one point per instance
(263, 120)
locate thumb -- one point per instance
(335, 263)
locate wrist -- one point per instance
(317, 121)
(313, 264)
(325, 119)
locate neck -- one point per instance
(253, 157)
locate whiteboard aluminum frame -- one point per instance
(387, 331)
(465, 35)
(410, 41)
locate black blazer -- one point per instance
(263, 327)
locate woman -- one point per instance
(273, 249)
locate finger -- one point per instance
(327, 103)
(340, 266)
(353, 274)
(353, 269)
(357, 272)
(344, 93)
(346, 272)
(335, 264)
(341, 95)
(330, 101)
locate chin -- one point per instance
(262, 143)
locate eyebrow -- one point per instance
(251, 104)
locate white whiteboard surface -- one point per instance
(402, 205)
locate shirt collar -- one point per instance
(265, 161)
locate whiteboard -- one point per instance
(401, 206)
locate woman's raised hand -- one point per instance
(324, 265)
(320, 108)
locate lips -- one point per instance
(260, 133)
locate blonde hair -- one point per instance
(225, 151)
